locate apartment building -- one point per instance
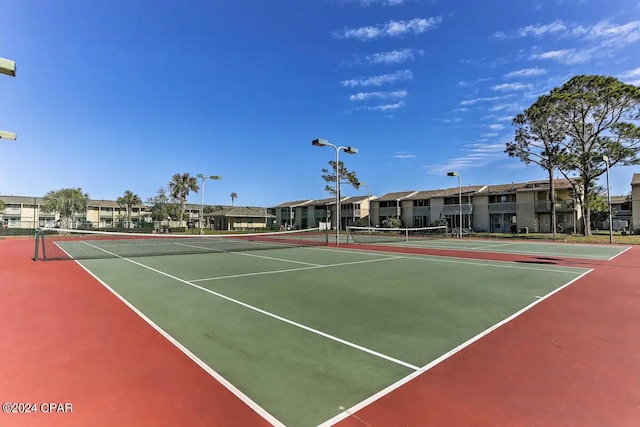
(302, 214)
(522, 207)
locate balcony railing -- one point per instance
(12, 211)
(502, 207)
(561, 205)
(455, 209)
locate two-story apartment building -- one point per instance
(316, 213)
(521, 206)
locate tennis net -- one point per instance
(386, 235)
(62, 244)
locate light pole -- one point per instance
(348, 150)
(203, 179)
(605, 159)
(8, 67)
(368, 203)
(459, 198)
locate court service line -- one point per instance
(251, 255)
(615, 256)
(229, 386)
(455, 260)
(377, 396)
(519, 252)
(260, 273)
(269, 314)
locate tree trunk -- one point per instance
(552, 200)
(586, 208)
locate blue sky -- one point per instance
(118, 95)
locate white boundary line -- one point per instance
(349, 412)
(235, 391)
(615, 256)
(451, 260)
(269, 314)
(475, 249)
(260, 273)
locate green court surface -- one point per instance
(304, 332)
(547, 249)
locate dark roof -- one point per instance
(544, 184)
(454, 191)
(352, 199)
(426, 194)
(395, 196)
(504, 188)
(294, 203)
(620, 199)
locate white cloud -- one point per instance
(476, 100)
(631, 77)
(490, 134)
(496, 126)
(452, 120)
(539, 30)
(476, 155)
(506, 107)
(390, 29)
(385, 107)
(459, 110)
(567, 56)
(526, 72)
(379, 80)
(511, 86)
(393, 57)
(474, 82)
(403, 155)
(364, 96)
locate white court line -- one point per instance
(522, 252)
(615, 256)
(269, 314)
(251, 255)
(349, 412)
(236, 392)
(453, 260)
(260, 273)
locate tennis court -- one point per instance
(403, 237)
(305, 334)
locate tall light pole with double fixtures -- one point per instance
(348, 150)
(8, 67)
(203, 178)
(459, 198)
(368, 203)
(605, 159)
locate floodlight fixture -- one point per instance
(8, 135)
(7, 67)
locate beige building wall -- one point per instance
(480, 218)
(526, 213)
(406, 209)
(437, 206)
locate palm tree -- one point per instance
(129, 199)
(67, 202)
(233, 197)
(180, 187)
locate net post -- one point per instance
(36, 253)
(406, 234)
(43, 244)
